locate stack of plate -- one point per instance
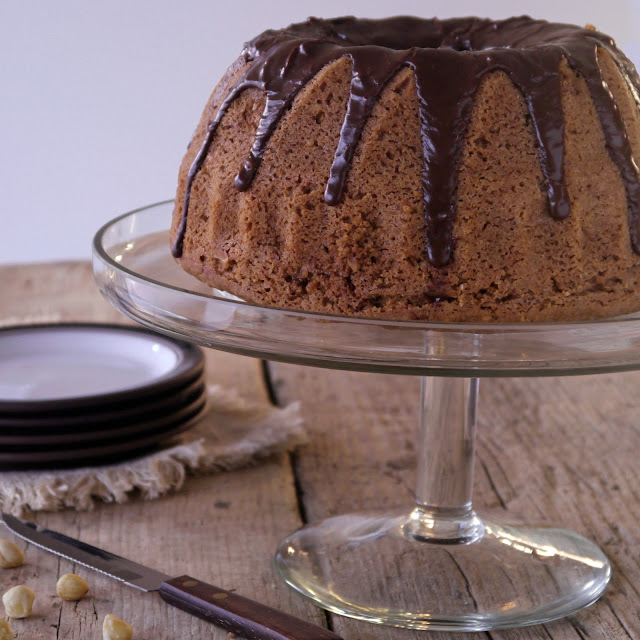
(79, 394)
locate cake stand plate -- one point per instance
(440, 565)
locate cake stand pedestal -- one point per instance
(439, 564)
(442, 565)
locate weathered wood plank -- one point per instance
(222, 528)
(559, 451)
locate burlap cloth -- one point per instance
(233, 433)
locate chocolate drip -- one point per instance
(618, 144)
(445, 108)
(449, 59)
(196, 165)
(370, 74)
(281, 81)
(546, 104)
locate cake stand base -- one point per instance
(374, 567)
(438, 565)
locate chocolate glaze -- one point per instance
(449, 59)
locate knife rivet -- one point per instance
(220, 596)
(189, 583)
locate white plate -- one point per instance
(80, 364)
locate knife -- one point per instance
(225, 609)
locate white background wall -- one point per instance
(99, 99)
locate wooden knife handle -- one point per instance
(239, 615)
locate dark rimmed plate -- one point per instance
(101, 421)
(67, 367)
(31, 439)
(115, 451)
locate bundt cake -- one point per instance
(456, 170)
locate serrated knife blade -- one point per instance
(225, 609)
(114, 566)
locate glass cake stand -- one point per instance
(438, 565)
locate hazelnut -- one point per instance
(115, 629)
(10, 555)
(18, 601)
(72, 587)
(6, 632)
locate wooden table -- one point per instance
(561, 450)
